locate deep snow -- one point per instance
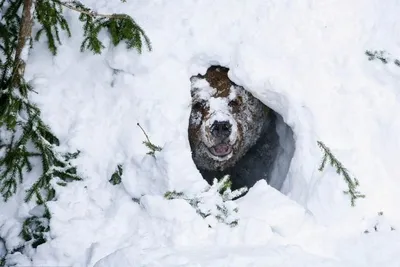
(304, 59)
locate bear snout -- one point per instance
(221, 129)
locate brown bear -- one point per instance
(230, 131)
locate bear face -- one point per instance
(226, 121)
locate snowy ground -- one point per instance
(304, 59)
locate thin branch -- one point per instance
(147, 137)
(153, 148)
(92, 14)
(340, 170)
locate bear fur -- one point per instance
(230, 131)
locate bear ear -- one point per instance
(193, 79)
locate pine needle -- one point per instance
(352, 183)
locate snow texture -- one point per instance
(304, 59)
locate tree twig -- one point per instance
(93, 14)
(340, 170)
(147, 137)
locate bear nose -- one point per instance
(221, 129)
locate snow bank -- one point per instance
(304, 59)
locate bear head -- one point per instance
(225, 120)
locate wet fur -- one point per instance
(256, 141)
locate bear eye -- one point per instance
(234, 103)
(199, 105)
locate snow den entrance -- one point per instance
(232, 132)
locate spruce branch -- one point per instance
(174, 195)
(152, 147)
(383, 56)
(79, 7)
(352, 183)
(215, 201)
(49, 14)
(35, 229)
(121, 27)
(27, 136)
(116, 177)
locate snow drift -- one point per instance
(304, 59)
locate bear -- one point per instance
(230, 131)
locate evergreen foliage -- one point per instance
(116, 177)
(381, 55)
(49, 15)
(24, 136)
(34, 140)
(352, 183)
(152, 147)
(35, 229)
(215, 202)
(121, 27)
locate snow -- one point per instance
(202, 89)
(284, 154)
(304, 59)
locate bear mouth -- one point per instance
(221, 150)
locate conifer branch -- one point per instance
(26, 136)
(352, 183)
(383, 56)
(116, 177)
(49, 14)
(120, 26)
(73, 5)
(35, 229)
(152, 147)
(214, 201)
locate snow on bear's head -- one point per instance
(225, 121)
